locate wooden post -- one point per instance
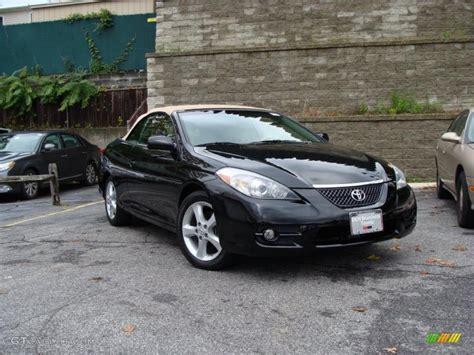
(54, 184)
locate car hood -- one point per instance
(5, 157)
(302, 165)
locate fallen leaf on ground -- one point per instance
(359, 309)
(440, 262)
(3, 291)
(391, 350)
(395, 247)
(373, 257)
(417, 248)
(97, 279)
(129, 328)
(424, 273)
(459, 247)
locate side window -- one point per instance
(454, 123)
(154, 125)
(461, 123)
(52, 139)
(70, 141)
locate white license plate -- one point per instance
(366, 222)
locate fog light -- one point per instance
(471, 188)
(5, 188)
(270, 235)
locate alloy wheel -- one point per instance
(31, 188)
(111, 200)
(90, 174)
(199, 231)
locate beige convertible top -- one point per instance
(170, 109)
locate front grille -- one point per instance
(342, 196)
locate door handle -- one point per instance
(64, 156)
(131, 163)
(83, 153)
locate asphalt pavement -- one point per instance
(70, 282)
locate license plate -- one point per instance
(366, 222)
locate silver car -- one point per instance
(455, 166)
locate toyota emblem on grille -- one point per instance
(358, 195)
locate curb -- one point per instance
(420, 186)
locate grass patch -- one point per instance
(401, 103)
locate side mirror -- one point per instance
(451, 137)
(161, 143)
(49, 147)
(324, 136)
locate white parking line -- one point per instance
(51, 214)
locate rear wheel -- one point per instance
(440, 190)
(115, 214)
(463, 205)
(198, 236)
(90, 175)
(30, 190)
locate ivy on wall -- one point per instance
(96, 64)
(104, 19)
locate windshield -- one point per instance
(470, 130)
(242, 127)
(19, 143)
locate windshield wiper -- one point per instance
(280, 141)
(216, 143)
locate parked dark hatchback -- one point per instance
(30, 153)
(238, 180)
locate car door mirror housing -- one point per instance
(161, 143)
(324, 136)
(451, 137)
(49, 147)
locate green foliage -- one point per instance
(20, 91)
(97, 65)
(104, 19)
(362, 109)
(404, 103)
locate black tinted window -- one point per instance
(154, 125)
(52, 139)
(71, 141)
(470, 130)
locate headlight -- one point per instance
(7, 166)
(400, 177)
(255, 185)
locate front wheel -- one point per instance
(463, 205)
(30, 190)
(197, 232)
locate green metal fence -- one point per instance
(51, 44)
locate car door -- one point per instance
(75, 157)
(453, 151)
(52, 155)
(156, 181)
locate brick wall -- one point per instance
(312, 56)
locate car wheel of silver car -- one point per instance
(440, 190)
(198, 236)
(30, 190)
(463, 203)
(90, 175)
(115, 214)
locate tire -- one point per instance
(115, 214)
(30, 191)
(90, 175)
(463, 203)
(197, 235)
(441, 192)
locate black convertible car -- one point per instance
(240, 180)
(30, 153)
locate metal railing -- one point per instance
(52, 177)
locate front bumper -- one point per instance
(302, 226)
